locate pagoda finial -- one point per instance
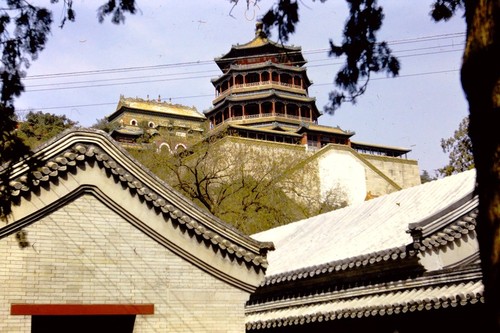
(258, 30)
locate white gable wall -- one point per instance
(84, 253)
(342, 168)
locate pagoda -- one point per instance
(262, 100)
(263, 94)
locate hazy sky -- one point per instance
(167, 50)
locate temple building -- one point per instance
(262, 96)
(262, 101)
(172, 126)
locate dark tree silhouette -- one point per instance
(24, 29)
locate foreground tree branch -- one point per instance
(481, 83)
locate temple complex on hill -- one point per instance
(263, 94)
(262, 97)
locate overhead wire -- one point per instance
(216, 72)
(211, 62)
(209, 95)
(190, 75)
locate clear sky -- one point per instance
(167, 49)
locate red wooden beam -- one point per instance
(81, 309)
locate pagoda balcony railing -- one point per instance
(256, 84)
(263, 83)
(262, 115)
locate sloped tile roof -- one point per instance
(379, 300)
(362, 229)
(72, 148)
(438, 231)
(158, 107)
(338, 266)
(261, 45)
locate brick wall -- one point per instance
(85, 253)
(403, 172)
(313, 175)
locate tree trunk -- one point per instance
(481, 83)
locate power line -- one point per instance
(199, 74)
(120, 70)
(211, 62)
(66, 87)
(427, 38)
(209, 95)
(122, 78)
(116, 84)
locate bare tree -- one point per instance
(243, 183)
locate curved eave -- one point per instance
(324, 129)
(252, 49)
(428, 294)
(75, 147)
(185, 114)
(260, 130)
(446, 226)
(134, 132)
(264, 95)
(339, 266)
(115, 114)
(368, 146)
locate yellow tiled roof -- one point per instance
(160, 107)
(327, 129)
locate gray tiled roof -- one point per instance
(74, 147)
(364, 302)
(372, 226)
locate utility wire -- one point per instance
(199, 74)
(211, 62)
(46, 86)
(211, 95)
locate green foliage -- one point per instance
(459, 148)
(254, 205)
(105, 125)
(425, 177)
(40, 127)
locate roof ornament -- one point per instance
(259, 32)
